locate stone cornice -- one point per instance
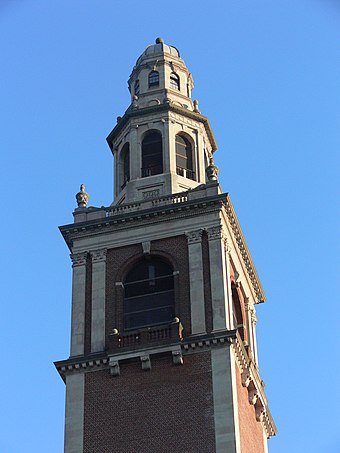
(133, 113)
(244, 251)
(129, 218)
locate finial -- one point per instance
(82, 197)
(159, 40)
(212, 170)
(196, 109)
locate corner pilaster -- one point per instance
(78, 303)
(194, 239)
(227, 433)
(98, 300)
(219, 280)
(74, 413)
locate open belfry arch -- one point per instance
(163, 339)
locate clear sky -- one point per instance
(267, 76)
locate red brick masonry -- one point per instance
(166, 410)
(251, 431)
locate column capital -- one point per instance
(253, 316)
(98, 255)
(247, 304)
(78, 259)
(216, 232)
(194, 236)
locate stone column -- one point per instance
(135, 153)
(98, 300)
(115, 174)
(167, 145)
(218, 278)
(78, 303)
(196, 282)
(170, 133)
(74, 413)
(200, 156)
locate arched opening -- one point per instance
(153, 79)
(174, 81)
(125, 165)
(237, 311)
(149, 297)
(152, 155)
(184, 158)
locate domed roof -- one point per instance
(157, 49)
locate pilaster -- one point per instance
(98, 300)
(78, 303)
(225, 401)
(219, 280)
(74, 413)
(196, 281)
(253, 321)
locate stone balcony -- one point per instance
(156, 335)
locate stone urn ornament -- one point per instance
(212, 170)
(82, 197)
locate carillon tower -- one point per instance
(163, 335)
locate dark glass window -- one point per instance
(149, 294)
(153, 79)
(174, 81)
(136, 88)
(125, 164)
(152, 155)
(184, 160)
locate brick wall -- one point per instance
(251, 431)
(168, 409)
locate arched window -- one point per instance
(136, 87)
(149, 294)
(125, 165)
(174, 81)
(153, 79)
(152, 155)
(184, 161)
(237, 311)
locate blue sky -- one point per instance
(266, 74)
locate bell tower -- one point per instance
(162, 144)
(163, 350)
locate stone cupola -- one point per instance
(162, 145)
